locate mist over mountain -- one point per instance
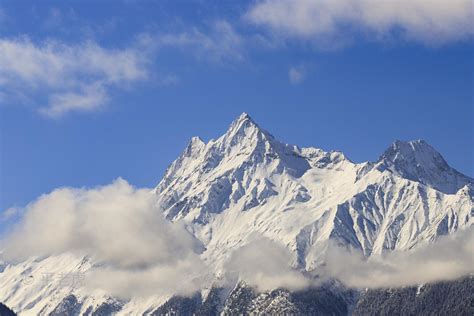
(242, 215)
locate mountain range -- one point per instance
(245, 184)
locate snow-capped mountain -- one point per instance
(247, 182)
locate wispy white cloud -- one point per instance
(60, 78)
(87, 99)
(297, 74)
(10, 213)
(431, 22)
(74, 77)
(449, 258)
(220, 43)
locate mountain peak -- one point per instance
(194, 145)
(244, 129)
(415, 152)
(244, 116)
(417, 160)
(243, 119)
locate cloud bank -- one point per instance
(76, 78)
(116, 223)
(137, 252)
(449, 258)
(122, 229)
(432, 22)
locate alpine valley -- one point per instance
(245, 185)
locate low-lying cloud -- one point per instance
(449, 258)
(184, 277)
(135, 251)
(121, 228)
(265, 265)
(116, 223)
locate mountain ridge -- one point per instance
(246, 184)
(247, 168)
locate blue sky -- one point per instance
(90, 92)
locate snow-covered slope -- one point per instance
(247, 182)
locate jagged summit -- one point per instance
(242, 118)
(244, 131)
(235, 169)
(194, 145)
(416, 150)
(243, 121)
(240, 128)
(246, 146)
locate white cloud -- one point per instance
(449, 258)
(74, 77)
(266, 265)
(428, 21)
(183, 277)
(89, 98)
(60, 78)
(115, 224)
